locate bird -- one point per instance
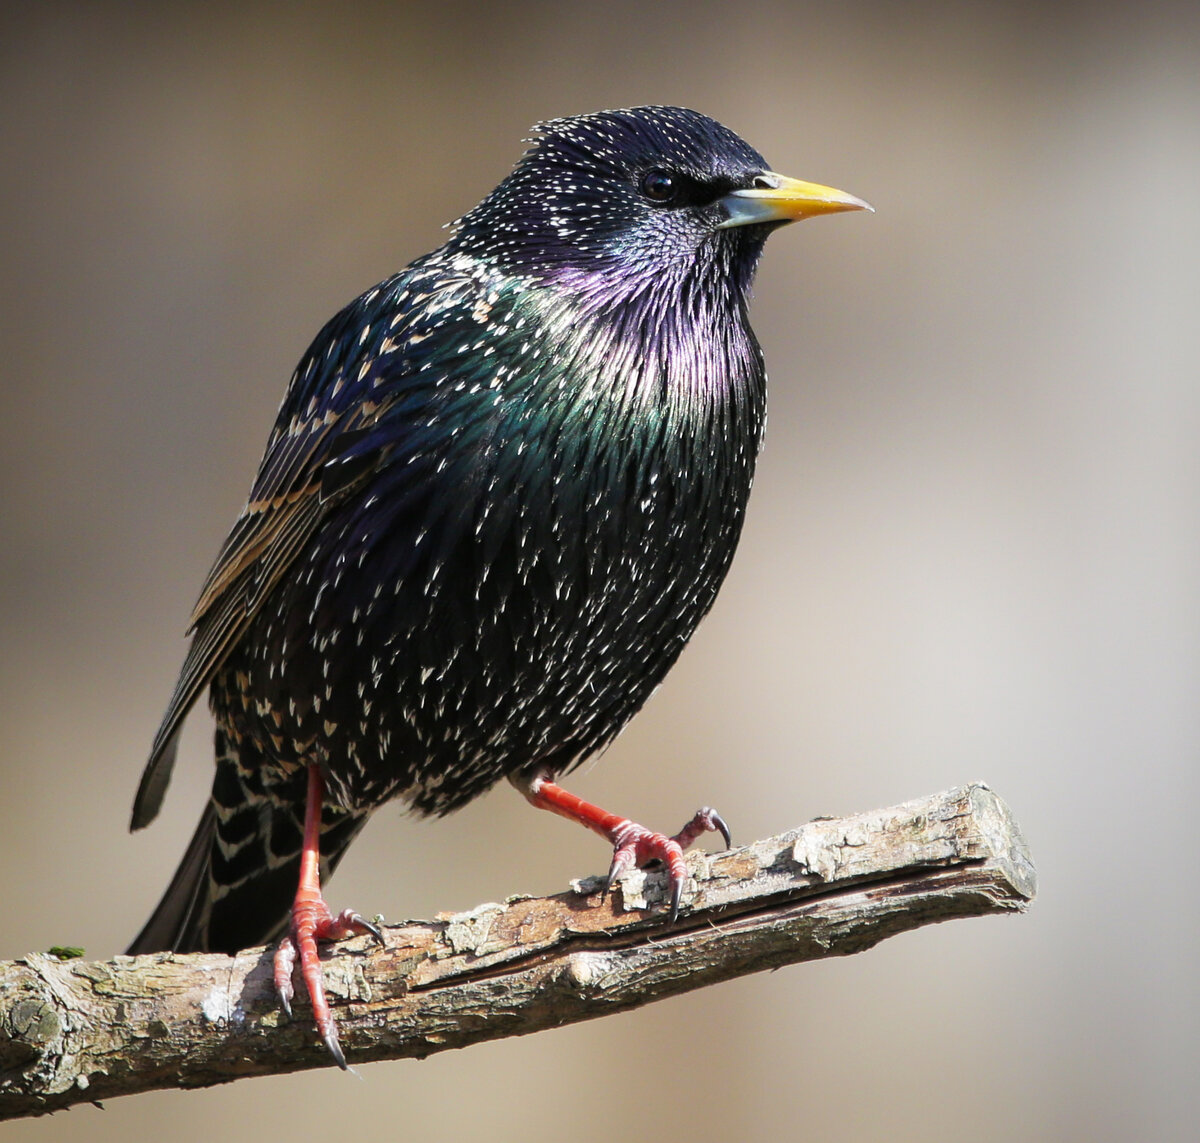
(503, 487)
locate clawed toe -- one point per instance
(634, 846)
(312, 922)
(285, 962)
(706, 820)
(348, 923)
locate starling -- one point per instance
(503, 488)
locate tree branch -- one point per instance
(75, 1031)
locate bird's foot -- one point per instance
(635, 847)
(312, 921)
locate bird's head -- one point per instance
(638, 193)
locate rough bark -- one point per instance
(74, 1031)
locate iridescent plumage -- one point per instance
(502, 490)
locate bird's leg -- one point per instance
(311, 922)
(633, 845)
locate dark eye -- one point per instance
(658, 185)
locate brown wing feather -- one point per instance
(285, 479)
(285, 506)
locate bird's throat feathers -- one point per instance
(668, 339)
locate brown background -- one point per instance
(972, 551)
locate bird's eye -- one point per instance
(658, 185)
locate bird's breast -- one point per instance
(509, 593)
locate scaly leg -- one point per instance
(311, 922)
(633, 845)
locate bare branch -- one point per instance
(74, 1031)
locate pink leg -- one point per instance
(311, 922)
(633, 845)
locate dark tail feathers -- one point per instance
(235, 885)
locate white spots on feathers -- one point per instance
(589, 434)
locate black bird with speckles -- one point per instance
(502, 490)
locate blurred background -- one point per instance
(972, 550)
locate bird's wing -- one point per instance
(320, 449)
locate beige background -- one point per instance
(972, 551)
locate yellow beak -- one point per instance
(776, 198)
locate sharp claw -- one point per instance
(614, 871)
(335, 1049)
(369, 926)
(285, 962)
(719, 824)
(676, 899)
(624, 858)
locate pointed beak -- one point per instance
(776, 198)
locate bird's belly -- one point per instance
(431, 686)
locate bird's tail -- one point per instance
(235, 885)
